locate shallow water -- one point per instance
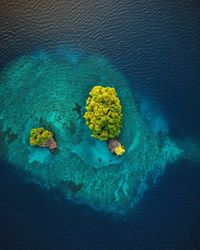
(156, 47)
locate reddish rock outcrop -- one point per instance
(113, 144)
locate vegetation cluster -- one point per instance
(38, 136)
(103, 113)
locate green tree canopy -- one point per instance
(40, 135)
(103, 113)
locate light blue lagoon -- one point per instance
(50, 89)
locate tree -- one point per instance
(103, 113)
(39, 136)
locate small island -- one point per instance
(43, 138)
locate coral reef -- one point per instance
(84, 169)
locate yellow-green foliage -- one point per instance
(103, 113)
(119, 150)
(39, 135)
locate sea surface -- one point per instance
(156, 46)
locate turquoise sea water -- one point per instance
(50, 86)
(52, 53)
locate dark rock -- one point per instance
(77, 109)
(74, 187)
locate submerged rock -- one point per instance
(47, 88)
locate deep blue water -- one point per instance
(167, 217)
(156, 45)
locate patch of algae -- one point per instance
(44, 89)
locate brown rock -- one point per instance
(113, 144)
